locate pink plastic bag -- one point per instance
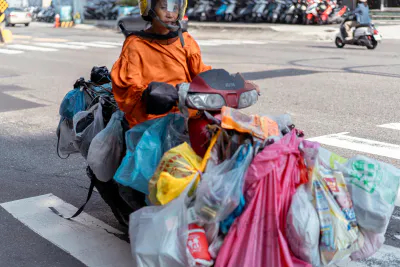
(257, 237)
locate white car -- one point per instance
(17, 16)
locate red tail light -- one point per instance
(376, 32)
(29, 15)
(12, 15)
(185, 18)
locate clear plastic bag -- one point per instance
(159, 234)
(146, 144)
(220, 190)
(302, 228)
(106, 149)
(65, 134)
(86, 129)
(338, 225)
(374, 187)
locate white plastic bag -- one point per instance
(106, 149)
(302, 228)
(84, 136)
(220, 190)
(369, 245)
(65, 134)
(373, 186)
(159, 234)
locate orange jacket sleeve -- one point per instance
(195, 61)
(127, 81)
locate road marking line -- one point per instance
(50, 40)
(219, 42)
(86, 238)
(394, 126)
(109, 43)
(32, 48)
(92, 45)
(359, 144)
(59, 45)
(17, 36)
(10, 52)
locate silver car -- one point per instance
(17, 16)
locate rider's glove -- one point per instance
(160, 98)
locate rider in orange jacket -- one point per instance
(154, 61)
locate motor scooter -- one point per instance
(363, 35)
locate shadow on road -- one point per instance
(268, 74)
(335, 48)
(10, 103)
(352, 69)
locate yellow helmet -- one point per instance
(147, 7)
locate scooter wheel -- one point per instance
(339, 43)
(374, 44)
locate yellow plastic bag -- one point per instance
(176, 170)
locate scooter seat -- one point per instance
(363, 25)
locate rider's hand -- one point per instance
(160, 98)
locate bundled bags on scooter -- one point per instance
(259, 195)
(303, 204)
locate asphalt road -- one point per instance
(326, 90)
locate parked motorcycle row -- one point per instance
(42, 14)
(273, 11)
(101, 10)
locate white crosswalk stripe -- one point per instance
(31, 48)
(86, 238)
(222, 42)
(92, 44)
(343, 140)
(394, 126)
(10, 52)
(62, 45)
(109, 43)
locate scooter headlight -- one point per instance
(205, 101)
(248, 99)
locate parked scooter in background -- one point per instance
(280, 8)
(232, 11)
(299, 15)
(246, 13)
(312, 12)
(221, 11)
(338, 15)
(258, 10)
(287, 17)
(269, 11)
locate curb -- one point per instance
(230, 26)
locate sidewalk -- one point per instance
(263, 30)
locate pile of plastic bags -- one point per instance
(261, 195)
(257, 198)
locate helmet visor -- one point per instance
(171, 5)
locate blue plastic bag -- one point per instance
(146, 144)
(73, 102)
